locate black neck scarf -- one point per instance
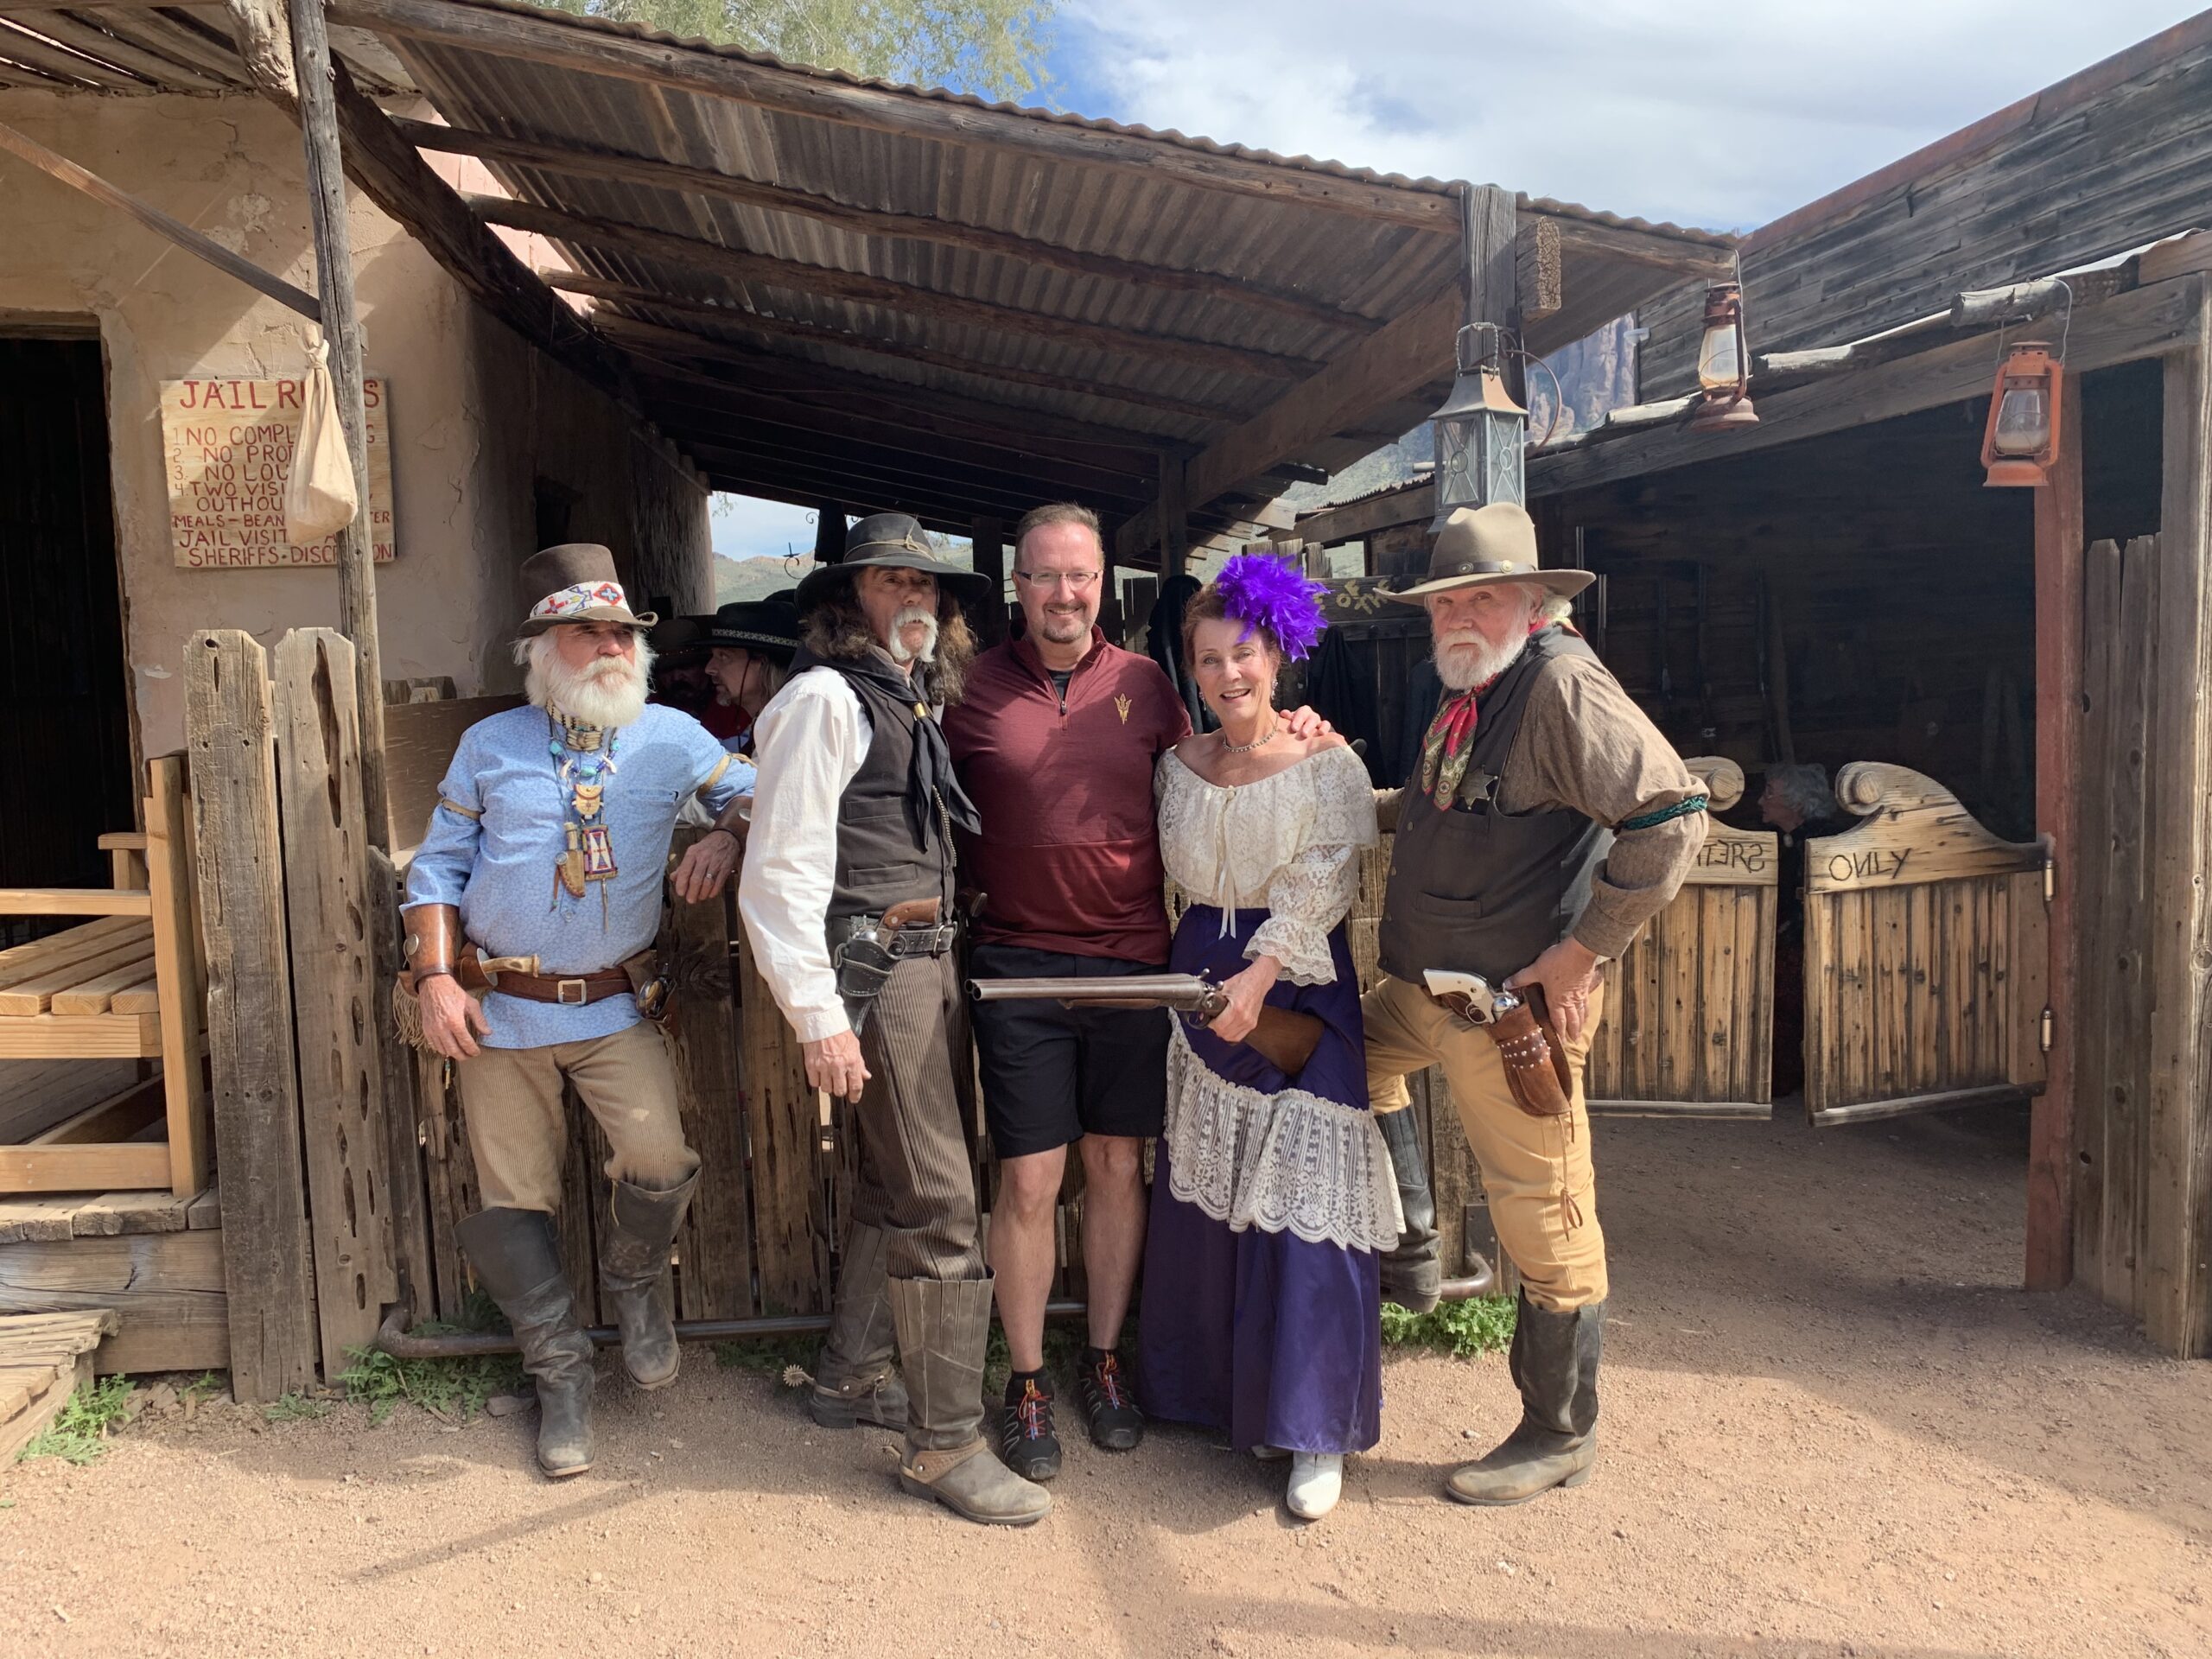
(931, 779)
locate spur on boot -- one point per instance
(1316, 1481)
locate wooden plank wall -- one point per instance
(2128, 160)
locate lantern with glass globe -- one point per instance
(1481, 433)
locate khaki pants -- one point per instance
(1536, 1171)
(518, 1132)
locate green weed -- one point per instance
(444, 1387)
(205, 1386)
(79, 1433)
(295, 1408)
(1481, 1325)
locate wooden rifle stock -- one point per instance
(1286, 1039)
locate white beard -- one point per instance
(900, 624)
(610, 693)
(1466, 659)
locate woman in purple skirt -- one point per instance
(1272, 1195)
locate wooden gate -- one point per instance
(1925, 955)
(1688, 1021)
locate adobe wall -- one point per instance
(477, 416)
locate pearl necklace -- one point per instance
(1228, 748)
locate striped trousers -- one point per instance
(916, 1180)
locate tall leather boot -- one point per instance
(942, 1327)
(517, 1256)
(635, 1275)
(1554, 1361)
(1412, 1276)
(855, 1379)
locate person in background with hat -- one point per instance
(856, 807)
(1548, 822)
(679, 677)
(541, 872)
(750, 647)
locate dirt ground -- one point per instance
(1831, 1427)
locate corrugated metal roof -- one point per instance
(186, 50)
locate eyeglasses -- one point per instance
(1081, 582)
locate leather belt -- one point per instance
(570, 990)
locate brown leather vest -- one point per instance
(1477, 889)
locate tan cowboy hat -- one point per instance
(575, 583)
(1479, 546)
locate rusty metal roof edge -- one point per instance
(1096, 124)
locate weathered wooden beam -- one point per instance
(569, 44)
(333, 261)
(83, 37)
(2183, 256)
(732, 316)
(228, 730)
(171, 230)
(262, 29)
(988, 537)
(2060, 785)
(398, 178)
(45, 57)
(907, 466)
(655, 174)
(1173, 506)
(2145, 322)
(1536, 267)
(1415, 348)
(739, 265)
(1357, 519)
(328, 910)
(2174, 1278)
(1692, 256)
(847, 387)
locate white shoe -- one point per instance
(1317, 1480)
(1269, 1454)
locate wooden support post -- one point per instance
(829, 534)
(332, 956)
(341, 327)
(264, 1236)
(1174, 516)
(412, 1276)
(988, 536)
(2174, 1276)
(2058, 796)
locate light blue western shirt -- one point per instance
(500, 829)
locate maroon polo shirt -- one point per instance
(1069, 853)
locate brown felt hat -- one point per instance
(1482, 546)
(575, 583)
(892, 540)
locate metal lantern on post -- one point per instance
(1481, 435)
(1724, 362)
(2021, 441)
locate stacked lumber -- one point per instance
(43, 1359)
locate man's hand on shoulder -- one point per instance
(1302, 723)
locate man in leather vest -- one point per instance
(575, 795)
(1546, 822)
(854, 817)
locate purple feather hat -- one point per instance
(1260, 590)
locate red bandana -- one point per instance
(1450, 743)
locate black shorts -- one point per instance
(1052, 1075)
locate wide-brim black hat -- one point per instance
(768, 627)
(890, 540)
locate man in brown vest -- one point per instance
(852, 816)
(1546, 822)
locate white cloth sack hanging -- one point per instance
(319, 496)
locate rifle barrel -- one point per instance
(1135, 991)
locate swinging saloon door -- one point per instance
(1926, 962)
(1688, 1021)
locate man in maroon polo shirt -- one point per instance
(1055, 739)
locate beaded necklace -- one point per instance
(583, 761)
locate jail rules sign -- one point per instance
(228, 445)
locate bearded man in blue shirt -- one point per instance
(540, 881)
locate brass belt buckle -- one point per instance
(560, 992)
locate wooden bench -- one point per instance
(130, 983)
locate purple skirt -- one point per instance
(1276, 1340)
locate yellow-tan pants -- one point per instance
(1536, 1171)
(517, 1130)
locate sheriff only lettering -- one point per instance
(228, 447)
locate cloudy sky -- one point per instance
(1718, 116)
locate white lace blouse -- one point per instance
(1295, 1161)
(1288, 844)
